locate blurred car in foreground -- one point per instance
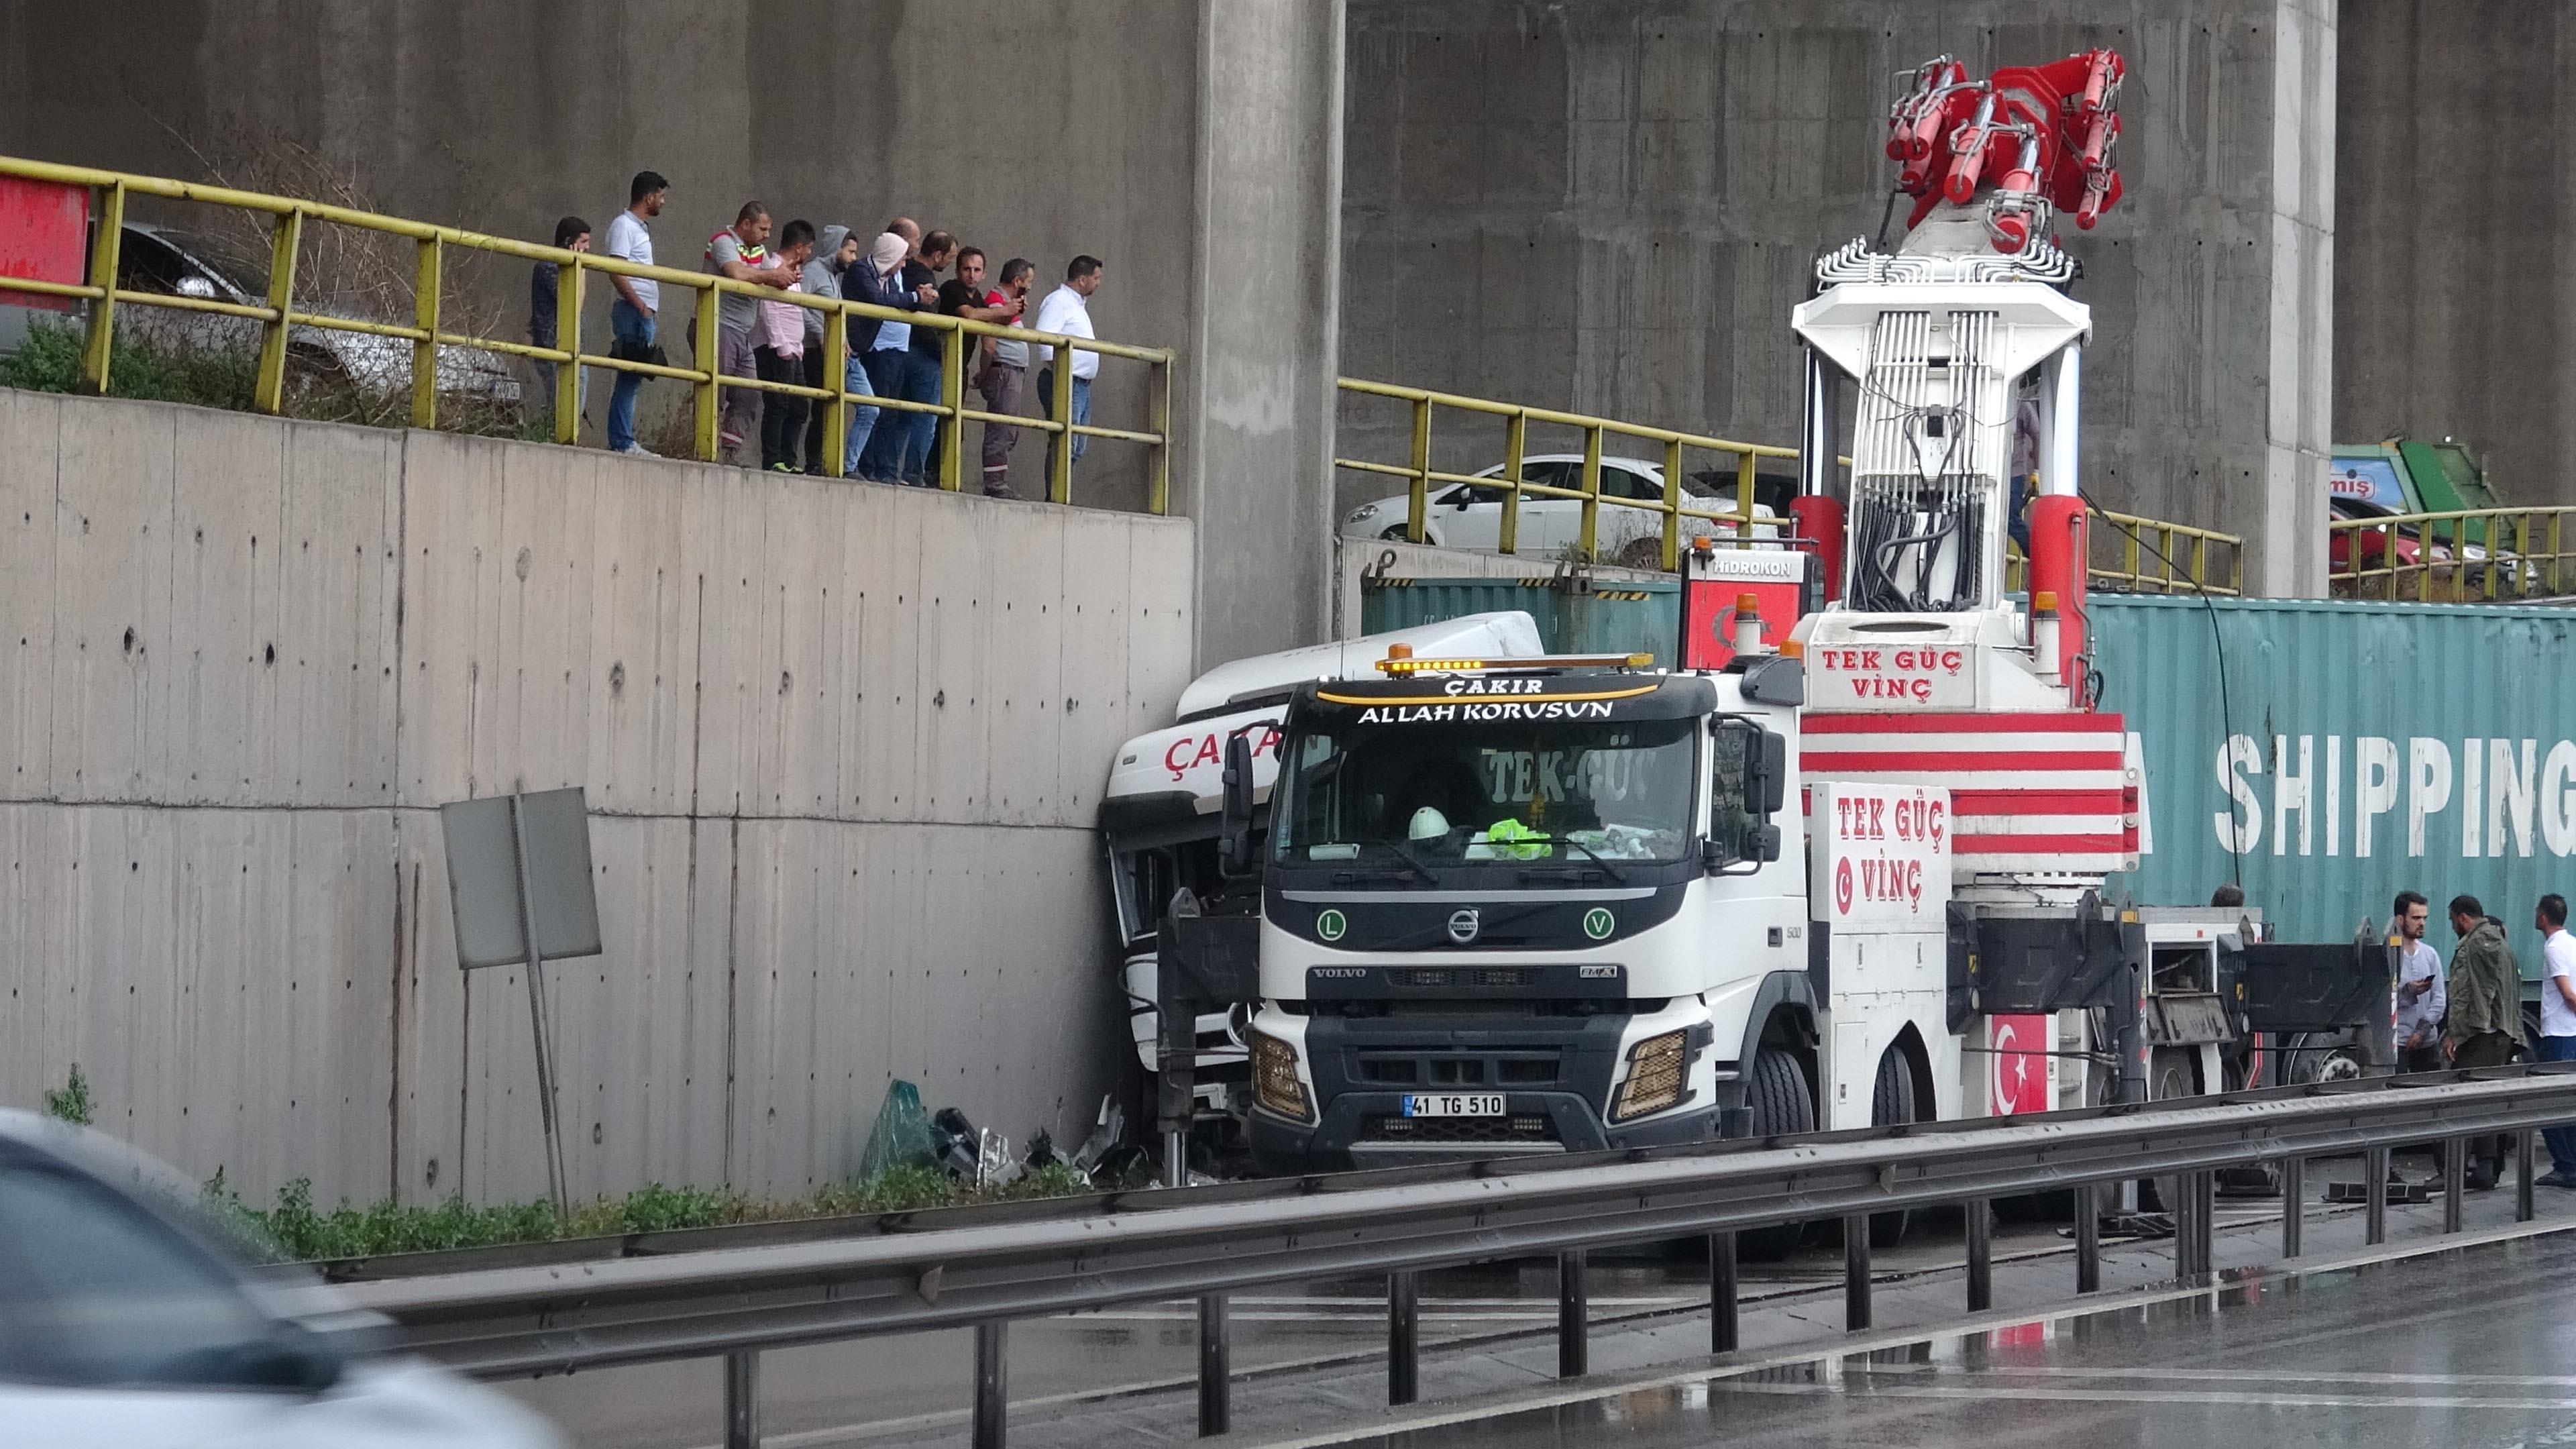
(130, 1321)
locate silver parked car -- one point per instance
(157, 259)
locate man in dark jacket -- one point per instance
(2485, 1028)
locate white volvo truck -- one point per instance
(1159, 815)
(1557, 905)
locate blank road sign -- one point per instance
(483, 877)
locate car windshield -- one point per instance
(94, 1292)
(1414, 798)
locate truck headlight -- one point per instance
(1655, 1068)
(1274, 1079)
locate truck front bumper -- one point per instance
(1369, 1129)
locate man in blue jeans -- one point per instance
(1067, 313)
(2557, 1024)
(889, 357)
(905, 436)
(631, 317)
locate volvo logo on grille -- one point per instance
(1463, 925)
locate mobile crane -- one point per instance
(1844, 865)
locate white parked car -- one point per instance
(1470, 516)
(127, 1322)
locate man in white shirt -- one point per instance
(2557, 1024)
(1067, 313)
(631, 319)
(2419, 986)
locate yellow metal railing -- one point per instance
(2132, 553)
(278, 316)
(2178, 560)
(1421, 477)
(2467, 554)
(2138, 555)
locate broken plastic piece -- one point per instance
(901, 1135)
(994, 1164)
(956, 1143)
(1106, 1134)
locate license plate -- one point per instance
(1453, 1104)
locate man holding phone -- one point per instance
(2420, 999)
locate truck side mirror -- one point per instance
(1766, 787)
(1234, 836)
(1766, 842)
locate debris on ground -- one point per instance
(955, 1144)
(901, 1136)
(1106, 1134)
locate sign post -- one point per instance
(519, 882)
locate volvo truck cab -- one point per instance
(1552, 906)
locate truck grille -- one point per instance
(1536, 1068)
(1443, 977)
(1519, 1127)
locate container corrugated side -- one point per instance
(1605, 618)
(2327, 755)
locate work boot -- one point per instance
(2482, 1175)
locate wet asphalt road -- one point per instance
(2448, 1351)
(1308, 1358)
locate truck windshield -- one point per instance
(1409, 795)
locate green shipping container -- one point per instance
(2328, 755)
(1609, 617)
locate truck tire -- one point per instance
(2323, 1057)
(1782, 1107)
(1891, 1101)
(2173, 1073)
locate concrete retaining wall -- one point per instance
(2452, 259)
(1191, 146)
(842, 744)
(1613, 207)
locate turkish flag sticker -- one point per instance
(1843, 886)
(2019, 1047)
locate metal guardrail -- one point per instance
(2145, 555)
(425, 332)
(2472, 554)
(2148, 556)
(911, 1274)
(2177, 560)
(1420, 476)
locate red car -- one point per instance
(2358, 550)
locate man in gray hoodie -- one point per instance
(822, 278)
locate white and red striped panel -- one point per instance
(2030, 793)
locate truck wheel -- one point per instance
(2172, 1074)
(2317, 1057)
(1891, 1100)
(1782, 1106)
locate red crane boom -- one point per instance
(2044, 134)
